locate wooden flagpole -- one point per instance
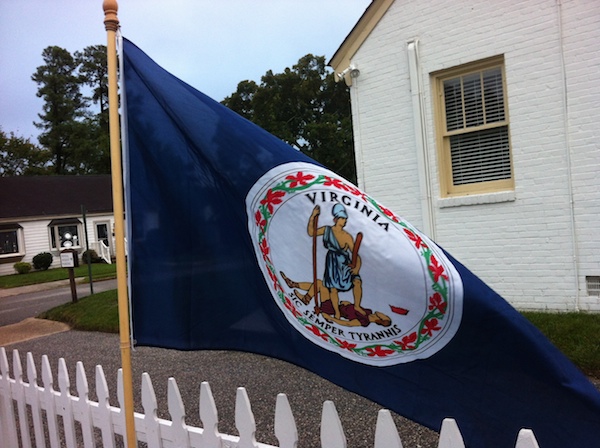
(111, 23)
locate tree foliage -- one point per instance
(304, 107)
(75, 136)
(18, 156)
(63, 105)
(93, 72)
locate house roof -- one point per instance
(50, 196)
(367, 22)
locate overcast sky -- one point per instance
(210, 44)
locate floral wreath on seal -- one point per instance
(437, 302)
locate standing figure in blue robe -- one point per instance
(342, 263)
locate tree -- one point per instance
(94, 147)
(93, 72)
(91, 153)
(74, 138)
(18, 156)
(241, 100)
(304, 107)
(64, 105)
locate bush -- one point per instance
(94, 258)
(22, 267)
(42, 261)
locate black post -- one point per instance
(73, 286)
(70, 260)
(87, 247)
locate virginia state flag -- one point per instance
(240, 242)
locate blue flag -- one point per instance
(240, 242)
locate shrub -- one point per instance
(22, 267)
(42, 261)
(94, 258)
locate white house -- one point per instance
(37, 213)
(478, 121)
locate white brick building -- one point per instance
(479, 122)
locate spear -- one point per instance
(314, 253)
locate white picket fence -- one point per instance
(30, 400)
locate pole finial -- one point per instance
(111, 21)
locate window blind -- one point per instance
(480, 156)
(474, 100)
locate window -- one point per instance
(11, 240)
(64, 233)
(593, 285)
(473, 129)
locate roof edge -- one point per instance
(351, 44)
(34, 218)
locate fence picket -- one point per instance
(104, 412)
(66, 403)
(8, 428)
(177, 411)
(209, 417)
(450, 436)
(386, 433)
(285, 425)
(33, 398)
(49, 399)
(526, 439)
(83, 406)
(19, 395)
(332, 433)
(244, 420)
(156, 432)
(152, 427)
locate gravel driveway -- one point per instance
(262, 377)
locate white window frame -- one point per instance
(20, 240)
(55, 235)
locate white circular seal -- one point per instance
(346, 272)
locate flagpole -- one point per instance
(111, 23)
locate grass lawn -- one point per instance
(575, 334)
(97, 312)
(100, 271)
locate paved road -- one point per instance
(35, 300)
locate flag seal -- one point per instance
(383, 293)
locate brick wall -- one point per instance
(534, 246)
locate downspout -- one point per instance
(565, 113)
(356, 134)
(420, 128)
